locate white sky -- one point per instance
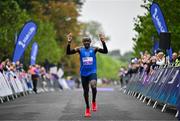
(116, 18)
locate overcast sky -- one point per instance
(116, 18)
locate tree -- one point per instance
(145, 29)
(92, 29)
(48, 47)
(12, 19)
(126, 57)
(108, 67)
(64, 16)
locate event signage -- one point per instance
(27, 33)
(34, 52)
(158, 18)
(156, 46)
(169, 53)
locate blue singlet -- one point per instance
(88, 61)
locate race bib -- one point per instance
(87, 60)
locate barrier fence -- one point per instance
(161, 86)
(14, 84)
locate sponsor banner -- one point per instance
(156, 46)
(25, 36)
(34, 52)
(163, 86)
(169, 53)
(158, 18)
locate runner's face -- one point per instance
(86, 43)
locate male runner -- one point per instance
(88, 67)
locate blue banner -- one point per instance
(27, 33)
(169, 53)
(158, 18)
(163, 85)
(34, 52)
(155, 46)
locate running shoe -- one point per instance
(87, 112)
(94, 106)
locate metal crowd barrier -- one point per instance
(13, 85)
(162, 86)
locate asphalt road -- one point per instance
(69, 105)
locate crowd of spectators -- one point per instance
(35, 75)
(147, 63)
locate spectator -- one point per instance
(160, 59)
(2, 66)
(34, 76)
(174, 57)
(178, 59)
(121, 76)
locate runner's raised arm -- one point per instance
(70, 51)
(104, 50)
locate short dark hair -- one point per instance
(86, 39)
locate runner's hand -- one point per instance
(102, 37)
(69, 37)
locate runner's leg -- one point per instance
(94, 89)
(85, 85)
(93, 83)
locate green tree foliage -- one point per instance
(126, 57)
(48, 48)
(145, 28)
(63, 14)
(108, 67)
(54, 20)
(12, 19)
